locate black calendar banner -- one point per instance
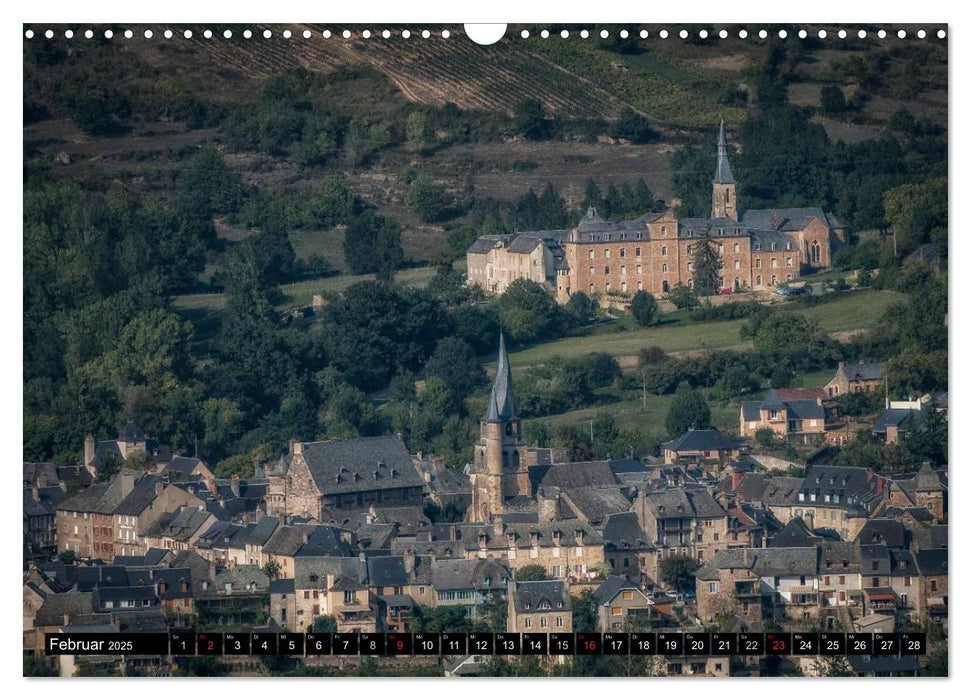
(662, 643)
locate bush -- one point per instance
(683, 297)
(644, 308)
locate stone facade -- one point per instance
(758, 249)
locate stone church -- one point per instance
(759, 248)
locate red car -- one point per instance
(725, 290)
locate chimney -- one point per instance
(296, 448)
(452, 532)
(234, 484)
(305, 536)
(159, 487)
(127, 482)
(409, 561)
(737, 476)
(88, 449)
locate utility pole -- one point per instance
(644, 390)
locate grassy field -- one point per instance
(630, 414)
(849, 312)
(301, 293)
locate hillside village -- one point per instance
(622, 335)
(335, 536)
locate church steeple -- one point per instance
(502, 405)
(724, 171)
(723, 186)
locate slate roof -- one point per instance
(701, 440)
(609, 589)
(141, 496)
(181, 525)
(884, 531)
(795, 534)
(596, 503)
(849, 488)
(282, 586)
(534, 596)
(90, 577)
(344, 568)
(833, 556)
(465, 574)
(785, 219)
(287, 540)
(623, 531)
(572, 475)
(502, 403)
(181, 467)
(932, 562)
(723, 172)
(904, 419)
(56, 606)
(361, 464)
(387, 571)
(240, 577)
(781, 561)
(863, 371)
(883, 664)
(874, 553)
(522, 534)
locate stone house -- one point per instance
(697, 446)
(469, 582)
(148, 501)
(568, 550)
(85, 522)
(855, 378)
(332, 481)
(539, 606)
(179, 530)
(797, 415)
(932, 564)
(622, 606)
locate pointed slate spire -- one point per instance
(724, 171)
(501, 402)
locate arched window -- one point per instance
(758, 280)
(665, 287)
(664, 267)
(816, 251)
(664, 250)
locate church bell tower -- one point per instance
(500, 469)
(723, 203)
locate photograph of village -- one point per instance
(374, 329)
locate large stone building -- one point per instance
(333, 481)
(758, 248)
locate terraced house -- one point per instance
(758, 248)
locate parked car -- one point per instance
(790, 291)
(725, 290)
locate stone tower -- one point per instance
(500, 469)
(723, 203)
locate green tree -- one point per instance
(324, 624)
(644, 307)
(707, 264)
(528, 312)
(68, 556)
(428, 200)
(831, 100)
(580, 308)
(529, 119)
(417, 131)
(683, 297)
(632, 127)
(913, 210)
(454, 361)
(373, 244)
(688, 410)
(532, 572)
(678, 571)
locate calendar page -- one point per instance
(443, 350)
